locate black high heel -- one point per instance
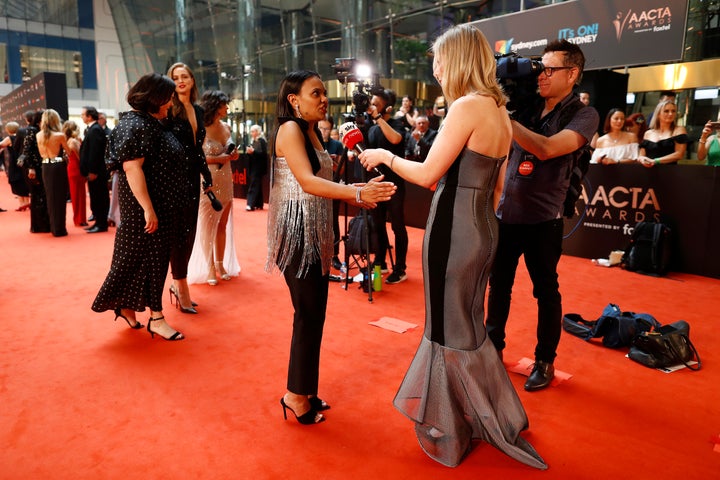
(173, 293)
(118, 313)
(175, 336)
(318, 404)
(310, 417)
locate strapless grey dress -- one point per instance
(456, 388)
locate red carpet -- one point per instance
(84, 397)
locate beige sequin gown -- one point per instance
(209, 220)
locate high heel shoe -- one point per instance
(175, 336)
(318, 404)
(118, 314)
(221, 271)
(308, 418)
(173, 293)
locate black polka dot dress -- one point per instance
(140, 260)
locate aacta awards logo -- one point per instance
(652, 20)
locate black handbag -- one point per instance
(665, 347)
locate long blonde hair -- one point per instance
(70, 129)
(468, 64)
(50, 122)
(655, 120)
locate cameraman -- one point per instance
(531, 207)
(388, 133)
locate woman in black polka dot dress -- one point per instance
(151, 189)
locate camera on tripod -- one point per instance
(518, 77)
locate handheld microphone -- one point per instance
(228, 150)
(351, 137)
(217, 206)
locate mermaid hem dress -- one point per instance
(456, 389)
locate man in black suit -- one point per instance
(92, 165)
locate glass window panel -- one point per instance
(61, 12)
(3, 63)
(35, 60)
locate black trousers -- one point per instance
(541, 245)
(255, 193)
(396, 208)
(183, 244)
(99, 200)
(55, 179)
(309, 296)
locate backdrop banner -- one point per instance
(611, 33)
(616, 197)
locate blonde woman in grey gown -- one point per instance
(456, 389)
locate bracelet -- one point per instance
(657, 161)
(377, 118)
(357, 195)
(391, 161)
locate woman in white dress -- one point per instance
(214, 254)
(616, 146)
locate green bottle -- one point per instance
(377, 278)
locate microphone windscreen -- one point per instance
(350, 135)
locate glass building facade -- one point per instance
(245, 47)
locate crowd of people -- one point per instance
(499, 191)
(143, 177)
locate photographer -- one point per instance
(407, 113)
(709, 145)
(388, 133)
(531, 207)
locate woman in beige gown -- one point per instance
(214, 254)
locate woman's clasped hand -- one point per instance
(374, 191)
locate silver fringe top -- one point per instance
(298, 221)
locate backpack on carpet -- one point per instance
(649, 250)
(356, 242)
(617, 328)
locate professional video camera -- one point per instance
(363, 94)
(346, 72)
(518, 77)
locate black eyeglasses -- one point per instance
(550, 70)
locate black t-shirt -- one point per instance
(376, 139)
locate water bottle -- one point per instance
(377, 278)
(343, 269)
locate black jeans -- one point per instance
(541, 244)
(309, 296)
(396, 208)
